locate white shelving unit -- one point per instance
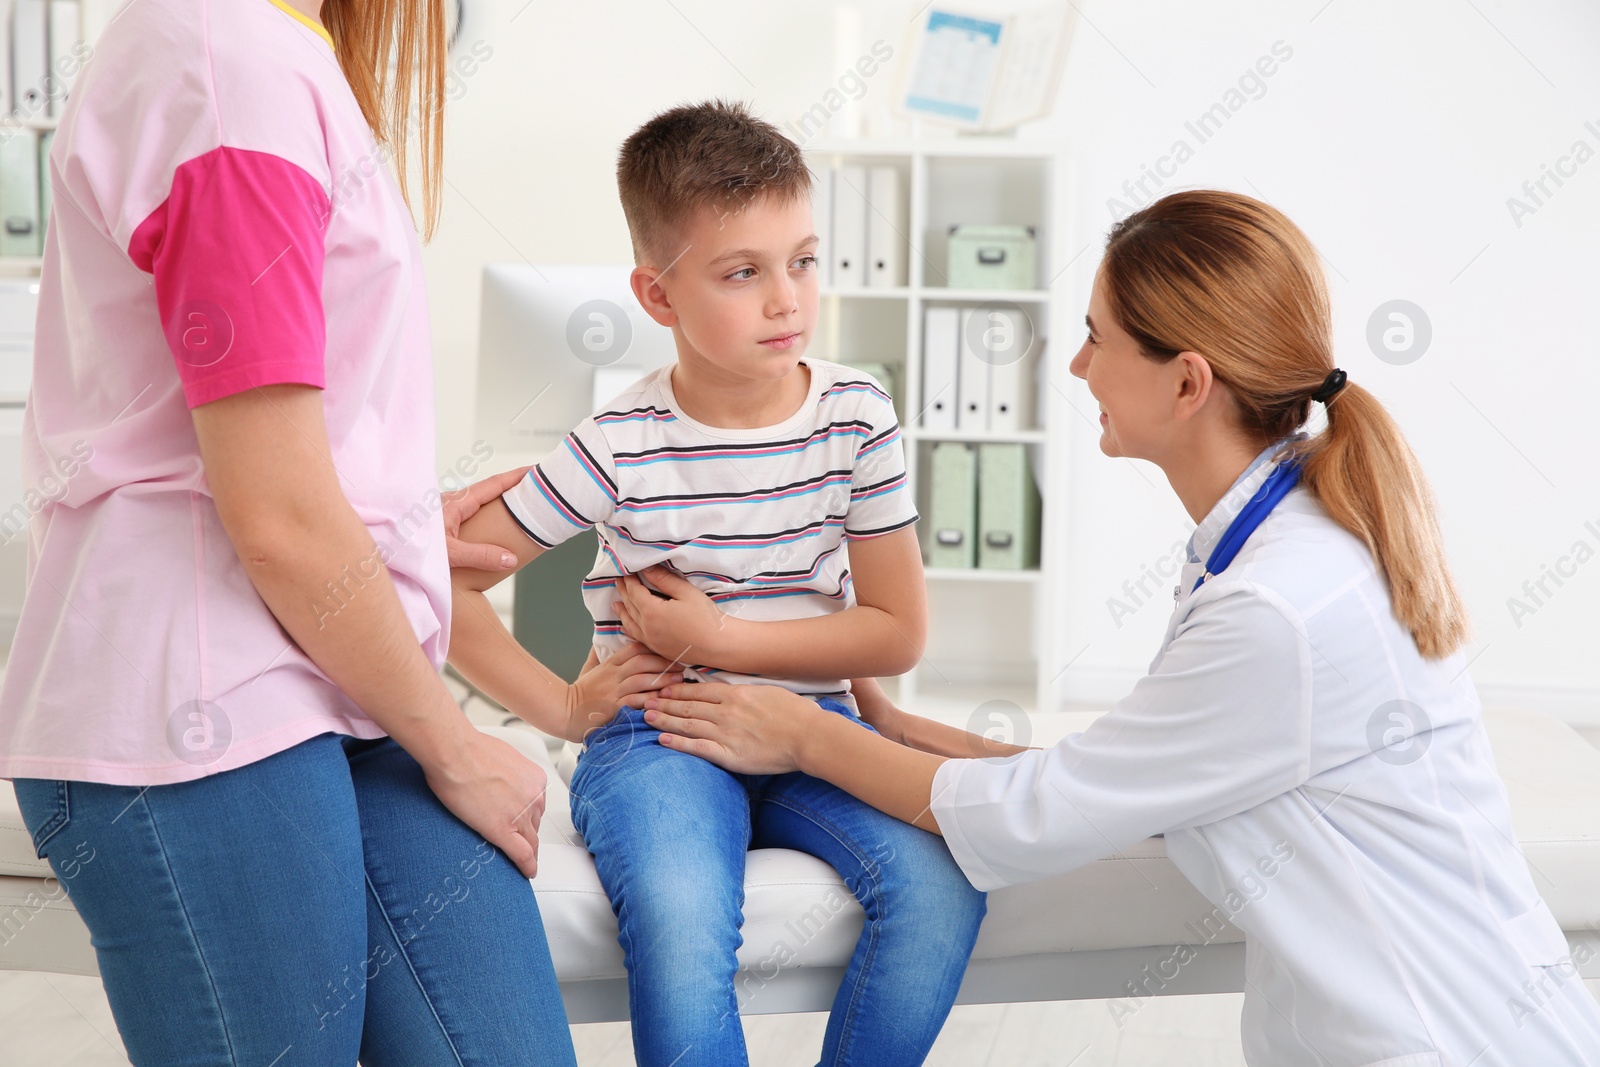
(92, 18)
(990, 633)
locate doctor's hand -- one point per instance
(628, 678)
(747, 729)
(686, 627)
(460, 506)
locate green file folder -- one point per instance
(954, 508)
(1008, 509)
(19, 193)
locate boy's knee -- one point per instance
(683, 905)
(931, 882)
(951, 893)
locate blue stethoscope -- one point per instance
(1253, 514)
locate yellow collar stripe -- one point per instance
(320, 30)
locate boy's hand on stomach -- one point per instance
(627, 679)
(681, 624)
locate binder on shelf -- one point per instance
(1007, 398)
(46, 139)
(822, 222)
(29, 56)
(940, 345)
(66, 36)
(1008, 508)
(886, 244)
(19, 194)
(972, 376)
(850, 227)
(1009, 372)
(954, 506)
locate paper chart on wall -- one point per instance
(956, 66)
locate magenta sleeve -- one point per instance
(236, 251)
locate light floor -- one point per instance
(52, 1020)
(63, 1021)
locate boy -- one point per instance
(762, 496)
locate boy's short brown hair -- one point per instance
(714, 154)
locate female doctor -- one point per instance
(1309, 709)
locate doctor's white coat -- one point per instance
(1331, 791)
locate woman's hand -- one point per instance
(688, 627)
(496, 790)
(460, 506)
(629, 678)
(761, 729)
(747, 729)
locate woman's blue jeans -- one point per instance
(669, 833)
(313, 906)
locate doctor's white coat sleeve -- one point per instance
(1221, 724)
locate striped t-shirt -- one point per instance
(759, 519)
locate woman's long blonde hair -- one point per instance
(1233, 279)
(392, 53)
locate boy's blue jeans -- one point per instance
(669, 833)
(312, 906)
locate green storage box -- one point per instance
(953, 516)
(1008, 509)
(992, 257)
(19, 193)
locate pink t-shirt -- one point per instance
(222, 219)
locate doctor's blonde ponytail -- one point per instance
(1233, 279)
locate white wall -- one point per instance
(1393, 134)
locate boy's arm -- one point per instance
(915, 731)
(486, 654)
(883, 634)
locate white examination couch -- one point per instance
(1098, 932)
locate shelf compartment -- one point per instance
(982, 191)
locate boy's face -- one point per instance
(741, 295)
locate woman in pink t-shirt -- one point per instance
(222, 711)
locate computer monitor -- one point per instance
(554, 342)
